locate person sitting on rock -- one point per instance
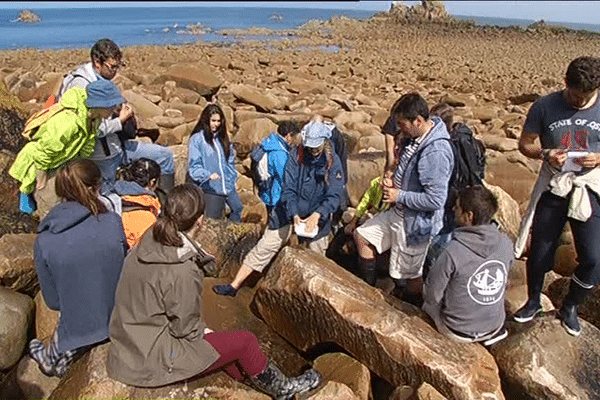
(464, 290)
(78, 255)
(110, 151)
(211, 164)
(418, 189)
(157, 333)
(563, 130)
(134, 199)
(66, 135)
(313, 185)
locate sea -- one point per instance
(81, 27)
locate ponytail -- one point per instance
(184, 205)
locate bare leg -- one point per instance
(241, 276)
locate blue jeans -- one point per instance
(135, 150)
(215, 205)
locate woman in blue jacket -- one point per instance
(78, 256)
(211, 164)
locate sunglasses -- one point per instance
(114, 67)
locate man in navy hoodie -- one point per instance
(464, 290)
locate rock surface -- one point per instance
(17, 270)
(339, 367)
(16, 314)
(311, 300)
(539, 360)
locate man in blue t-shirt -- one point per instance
(563, 129)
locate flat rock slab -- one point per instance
(342, 368)
(540, 360)
(310, 300)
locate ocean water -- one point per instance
(81, 27)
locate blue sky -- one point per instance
(558, 11)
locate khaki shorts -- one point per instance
(271, 242)
(386, 231)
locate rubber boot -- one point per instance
(568, 312)
(368, 270)
(274, 383)
(165, 184)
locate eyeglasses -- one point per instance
(114, 67)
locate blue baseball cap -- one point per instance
(314, 133)
(103, 94)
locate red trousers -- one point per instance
(240, 353)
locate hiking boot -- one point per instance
(527, 312)
(501, 334)
(568, 315)
(273, 382)
(225, 290)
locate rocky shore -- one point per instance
(490, 75)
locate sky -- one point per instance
(555, 11)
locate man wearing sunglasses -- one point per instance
(110, 151)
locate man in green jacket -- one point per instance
(69, 134)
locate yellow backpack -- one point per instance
(39, 118)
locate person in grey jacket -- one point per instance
(464, 290)
(156, 329)
(418, 188)
(110, 153)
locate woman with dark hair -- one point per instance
(133, 197)
(78, 255)
(211, 164)
(156, 329)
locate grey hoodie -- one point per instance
(81, 77)
(468, 280)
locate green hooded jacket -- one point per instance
(62, 138)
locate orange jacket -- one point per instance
(139, 213)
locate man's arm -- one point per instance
(437, 281)
(530, 146)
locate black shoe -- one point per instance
(501, 334)
(273, 382)
(527, 312)
(568, 315)
(225, 290)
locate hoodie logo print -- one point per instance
(486, 285)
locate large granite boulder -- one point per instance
(16, 314)
(251, 133)
(540, 360)
(198, 78)
(141, 105)
(508, 214)
(362, 168)
(17, 270)
(311, 300)
(254, 96)
(46, 319)
(342, 368)
(229, 242)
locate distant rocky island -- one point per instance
(27, 16)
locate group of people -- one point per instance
(142, 283)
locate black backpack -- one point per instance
(469, 157)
